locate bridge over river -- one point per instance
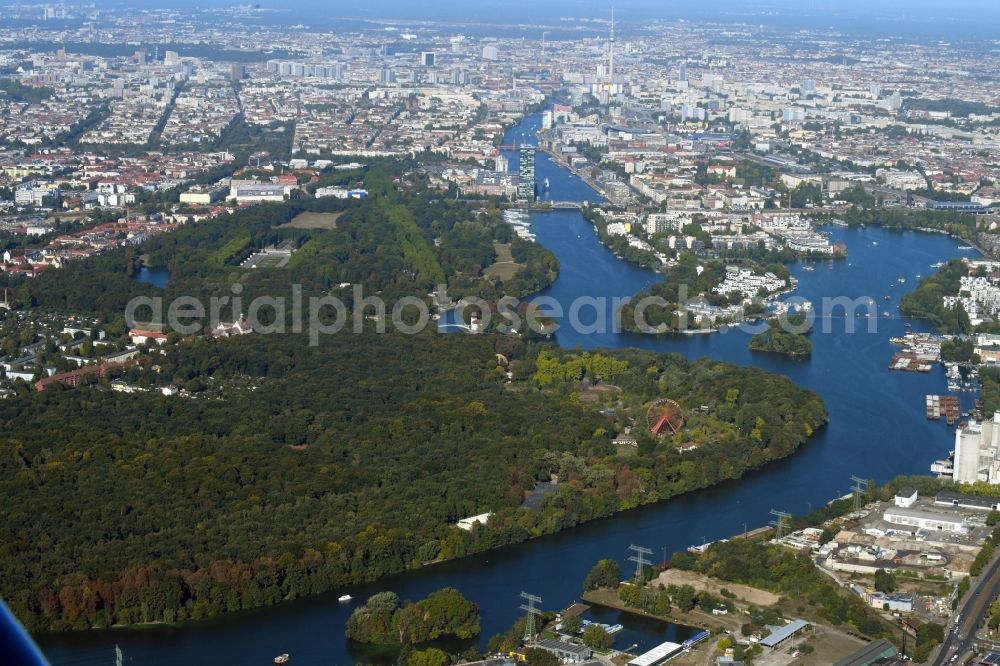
(545, 205)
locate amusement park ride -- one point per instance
(664, 414)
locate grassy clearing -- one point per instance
(702, 583)
(313, 221)
(504, 267)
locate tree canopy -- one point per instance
(443, 613)
(292, 470)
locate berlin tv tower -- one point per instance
(611, 48)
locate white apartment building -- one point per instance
(33, 194)
(747, 283)
(658, 223)
(983, 298)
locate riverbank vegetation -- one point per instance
(989, 378)
(960, 350)
(605, 574)
(927, 300)
(619, 244)
(782, 571)
(293, 470)
(961, 225)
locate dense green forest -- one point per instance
(285, 469)
(927, 301)
(293, 470)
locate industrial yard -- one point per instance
(926, 544)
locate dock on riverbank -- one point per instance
(909, 361)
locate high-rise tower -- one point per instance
(526, 173)
(611, 48)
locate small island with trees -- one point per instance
(383, 620)
(777, 341)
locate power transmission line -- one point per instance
(532, 610)
(860, 486)
(641, 559)
(780, 522)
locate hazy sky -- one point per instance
(927, 19)
(947, 18)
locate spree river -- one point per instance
(877, 430)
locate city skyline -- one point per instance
(353, 334)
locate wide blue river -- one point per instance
(877, 430)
